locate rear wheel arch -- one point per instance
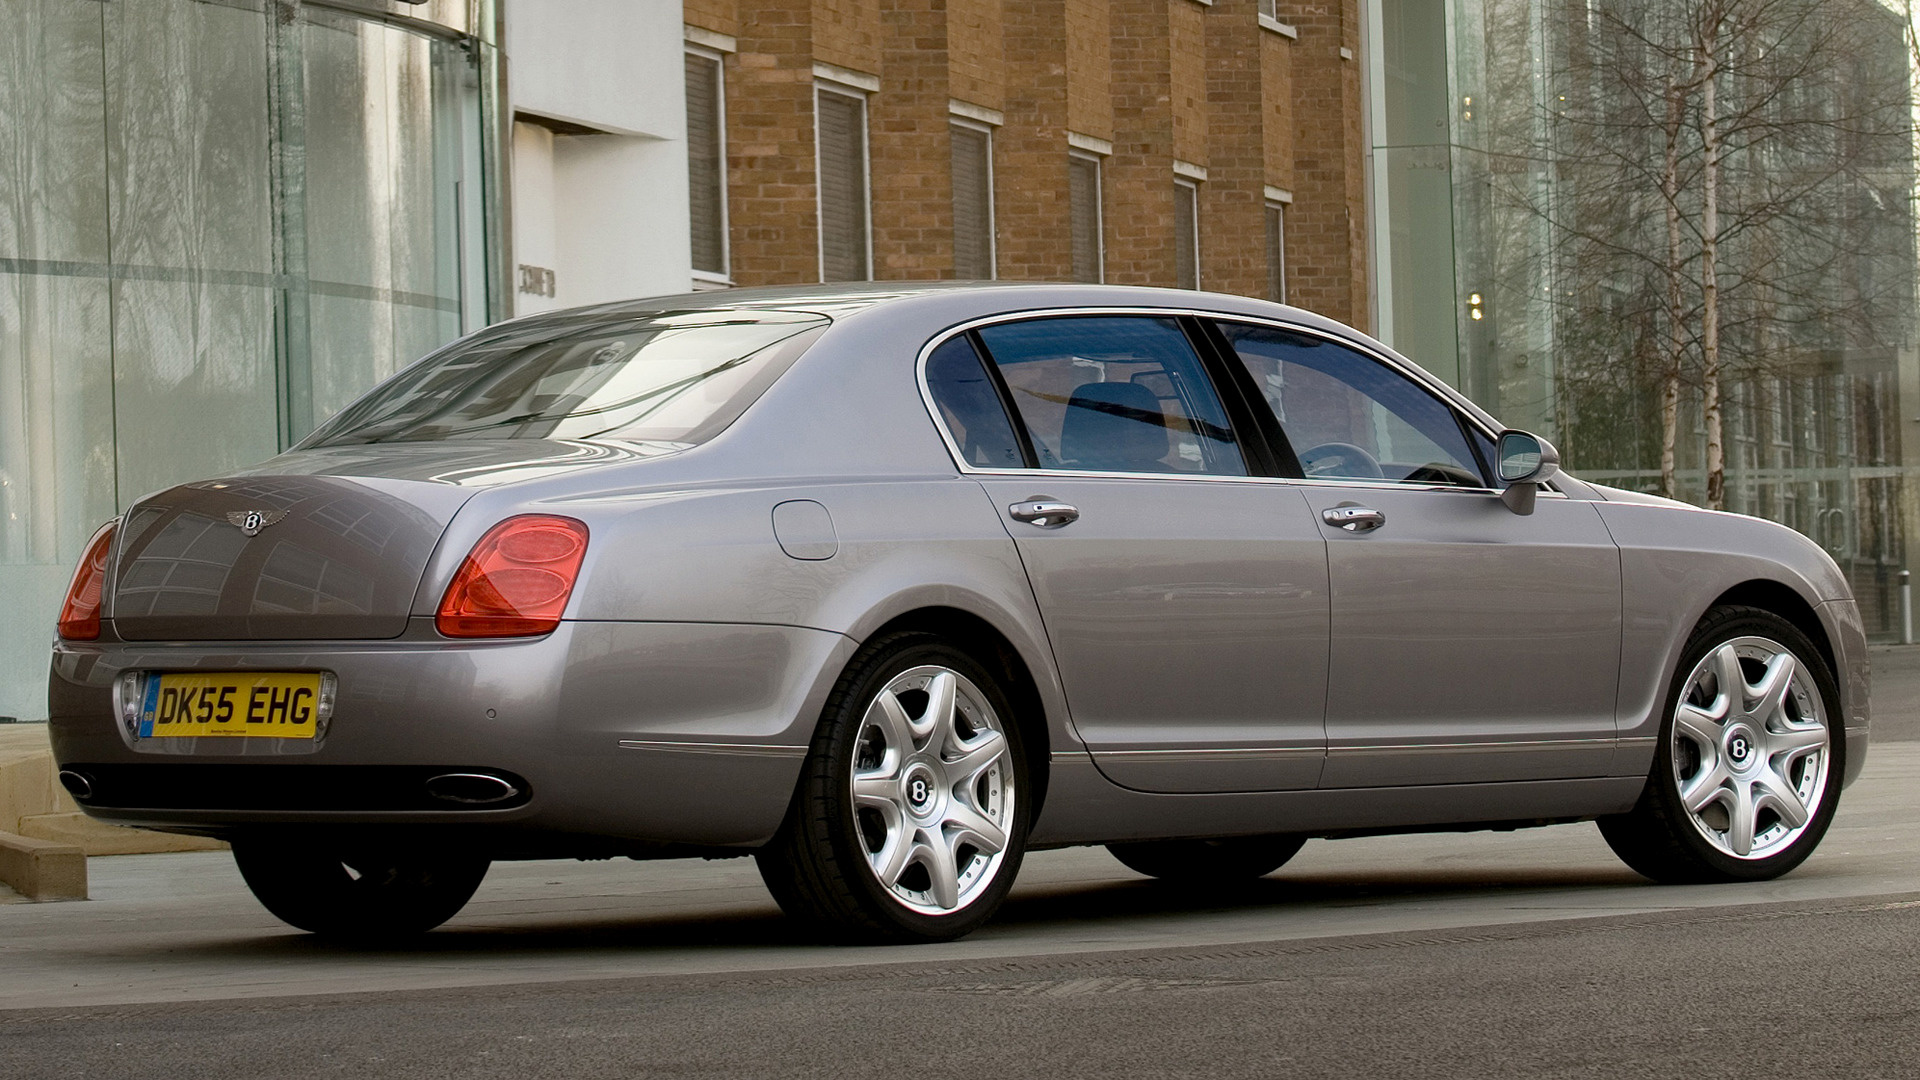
(992, 648)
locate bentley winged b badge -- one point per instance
(251, 522)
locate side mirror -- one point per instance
(1523, 461)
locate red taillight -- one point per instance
(517, 579)
(80, 615)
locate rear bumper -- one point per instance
(656, 733)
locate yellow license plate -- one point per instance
(274, 705)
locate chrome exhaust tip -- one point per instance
(471, 789)
(77, 784)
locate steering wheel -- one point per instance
(1341, 460)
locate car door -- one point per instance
(1468, 643)
(1185, 600)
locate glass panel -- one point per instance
(1114, 395)
(971, 408)
(672, 379)
(386, 172)
(1351, 417)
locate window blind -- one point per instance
(842, 135)
(706, 166)
(972, 203)
(1083, 196)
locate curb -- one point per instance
(42, 869)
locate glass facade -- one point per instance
(220, 221)
(1525, 155)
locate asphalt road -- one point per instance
(1482, 955)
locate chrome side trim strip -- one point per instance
(1518, 746)
(1237, 753)
(734, 749)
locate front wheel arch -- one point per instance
(1784, 601)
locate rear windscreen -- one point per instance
(665, 377)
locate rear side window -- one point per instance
(675, 378)
(964, 394)
(1113, 394)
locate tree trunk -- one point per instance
(1709, 270)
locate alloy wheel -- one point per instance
(1751, 747)
(932, 795)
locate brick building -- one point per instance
(1160, 142)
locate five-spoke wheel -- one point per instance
(1746, 780)
(912, 812)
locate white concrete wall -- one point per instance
(606, 212)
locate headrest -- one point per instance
(1114, 427)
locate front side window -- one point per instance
(674, 378)
(1351, 417)
(1113, 394)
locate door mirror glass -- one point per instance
(1524, 458)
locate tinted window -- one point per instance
(661, 377)
(1349, 416)
(1113, 394)
(971, 408)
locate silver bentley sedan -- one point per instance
(886, 586)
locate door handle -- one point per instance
(1045, 513)
(1353, 517)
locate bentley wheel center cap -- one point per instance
(1741, 745)
(919, 787)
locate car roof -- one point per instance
(933, 305)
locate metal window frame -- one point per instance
(860, 95)
(708, 278)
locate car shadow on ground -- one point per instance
(1032, 913)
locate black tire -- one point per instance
(1208, 862)
(818, 866)
(357, 894)
(1661, 838)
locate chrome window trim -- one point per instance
(960, 461)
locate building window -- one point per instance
(1271, 9)
(707, 163)
(972, 201)
(1186, 234)
(1277, 252)
(1083, 197)
(841, 143)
